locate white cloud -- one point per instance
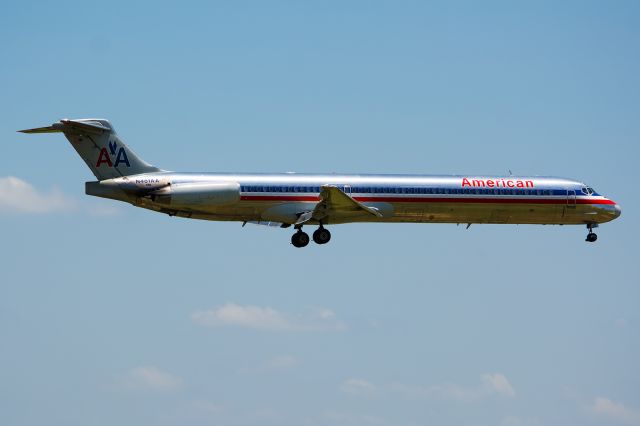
(615, 411)
(498, 383)
(265, 318)
(151, 378)
(19, 196)
(358, 387)
(491, 385)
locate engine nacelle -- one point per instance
(198, 194)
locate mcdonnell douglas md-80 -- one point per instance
(291, 199)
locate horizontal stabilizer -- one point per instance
(49, 129)
(71, 126)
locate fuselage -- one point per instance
(291, 199)
(400, 198)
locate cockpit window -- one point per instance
(587, 190)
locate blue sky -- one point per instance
(115, 315)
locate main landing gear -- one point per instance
(301, 238)
(591, 236)
(321, 235)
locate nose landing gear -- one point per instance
(591, 236)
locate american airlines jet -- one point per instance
(291, 199)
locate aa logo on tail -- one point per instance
(105, 156)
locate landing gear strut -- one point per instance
(591, 236)
(321, 235)
(300, 238)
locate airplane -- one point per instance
(292, 199)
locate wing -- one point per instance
(336, 204)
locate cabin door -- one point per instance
(347, 189)
(571, 199)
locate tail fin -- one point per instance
(100, 147)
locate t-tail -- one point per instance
(100, 147)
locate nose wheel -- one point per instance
(591, 236)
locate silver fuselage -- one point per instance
(400, 198)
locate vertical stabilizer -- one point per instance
(97, 143)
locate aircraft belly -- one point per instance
(440, 212)
(443, 212)
(430, 212)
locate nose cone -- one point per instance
(617, 211)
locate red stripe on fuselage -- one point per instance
(433, 200)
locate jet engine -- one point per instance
(198, 194)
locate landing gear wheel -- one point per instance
(591, 236)
(300, 239)
(321, 236)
